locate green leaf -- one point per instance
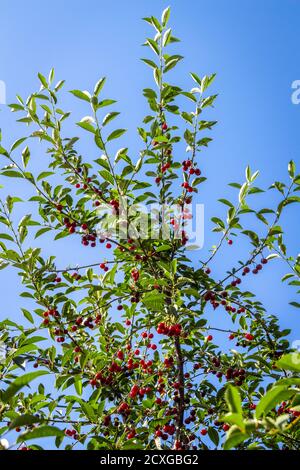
(99, 85)
(163, 248)
(274, 396)
(196, 78)
(17, 143)
(165, 16)
(85, 123)
(98, 140)
(44, 175)
(276, 230)
(107, 176)
(291, 168)
(213, 435)
(109, 117)
(25, 156)
(166, 37)
(153, 45)
(24, 420)
(289, 362)
(154, 301)
(41, 231)
(43, 80)
(19, 383)
(233, 399)
(27, 315)
(234, 437)
(78, 384)
(115, 134)
(42, 431)
(295, 304)
(12, 174)
(243, 192)
(82, 95)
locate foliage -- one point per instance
(124, 345)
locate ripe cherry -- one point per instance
(249, 337)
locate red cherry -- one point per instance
(120, 355)
(249, 337)
(134, 391)
(230, 242)
(164, 126)
(203, 432)
(108, 245)
(131, 434)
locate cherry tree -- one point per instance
(130, 360)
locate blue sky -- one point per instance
(251, 45)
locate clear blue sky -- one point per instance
(252, 45)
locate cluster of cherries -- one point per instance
(71, 433)
(283, 408)
(166, 431)
(137, 391)
(187, 166)
(115, 205)
(104, 267)
(239, 375)
(102, 379)
(257, 268)
(87, 322)
(135, 274)
(217, 299)
(169, 362)
(192, 418)
(172, 330)
(124, 409)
